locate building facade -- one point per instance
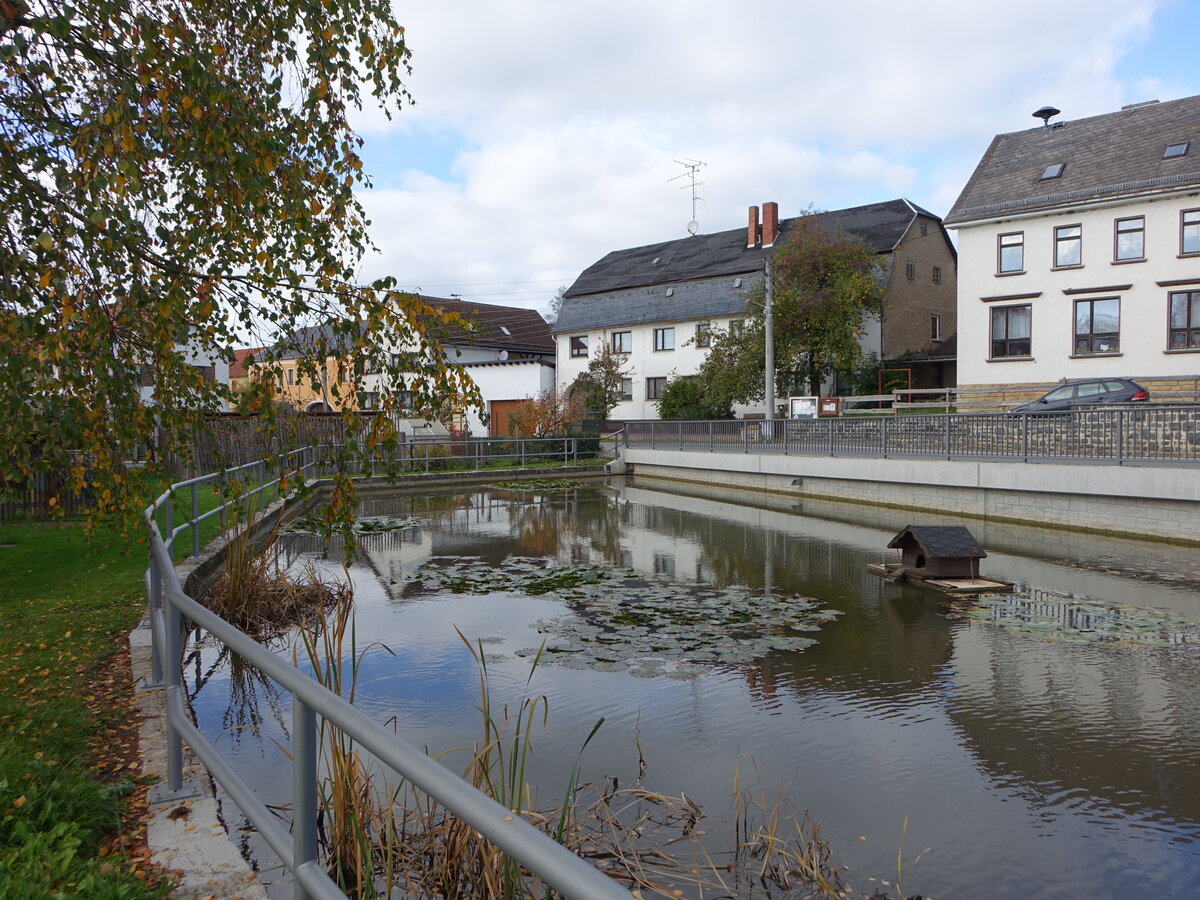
(1079, 248)
(657, 305)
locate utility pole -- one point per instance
(769, 329)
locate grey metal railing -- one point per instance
(170, 607)
(1132, 435)
(474, 453)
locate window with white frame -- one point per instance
(910, 269)
(1130, 240)
(664, 338)
(703, 334)
(1185, 321)
(655, 387)
(937, 274)
(622, 341)
(1012, 331)
(1011, 253)
(736, 327)
(1097, 326)
(579, 345)
(1068, 246)
(1189, 231)
(935, 327)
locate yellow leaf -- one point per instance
(127, 143)
(19, 802)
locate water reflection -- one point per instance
(1029, 766)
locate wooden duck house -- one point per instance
(944, 558)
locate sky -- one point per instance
(545, 134)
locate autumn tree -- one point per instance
(549, 414)
(598, 387)
(179, 177)
(826, 288)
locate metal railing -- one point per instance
(170, 608)
(1134, 435)
(462, 454)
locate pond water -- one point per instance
(1023, 764)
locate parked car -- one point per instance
(1086, 393)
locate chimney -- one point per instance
(752, 228)
(770, 223)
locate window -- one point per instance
(291, 376)
(1131, 238)
(406, 400)
(368, 399)
(622, 341)
(910, 270)
(664, 338)
(654, 387)
(937, 274)
(579, 345)
(735, 328)
(1011, 331)
(1174, 151)
(1189, 240)
(924, 227)
(626, 388)
(1185, 321)
(1097, 326)
(1012, 252)
(1068, 246)
(935, 328)
(704, 334)
(1053, 171)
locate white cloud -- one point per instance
(568, 118)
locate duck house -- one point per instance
(939, 551)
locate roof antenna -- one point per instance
(692, 166)
(1045, 113)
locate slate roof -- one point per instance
(496, 327)
(619, 288)
(1106, 156)
(942, 541)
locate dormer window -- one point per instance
(656, 261)
(1053, 171)
(1174, 151)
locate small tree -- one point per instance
(549, 414)
(687, 398)
(598, 388)
(826, 287)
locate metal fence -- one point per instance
(461, 454)
(170, 608)
(1135, 435)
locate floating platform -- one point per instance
(952, 586)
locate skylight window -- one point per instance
(505, 330)
(1174, 151)
(1053, 171)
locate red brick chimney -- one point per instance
(752, 228)
(770, 224)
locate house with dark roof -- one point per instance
(658, 304)
(507, 351)
(1079, 244)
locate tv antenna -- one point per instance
(692, 166)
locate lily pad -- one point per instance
(310, 524)
(538, 484)
(626, 621)
(1061, 617)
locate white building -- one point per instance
(1079, 248)
(655, 305)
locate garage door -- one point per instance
(501, 411)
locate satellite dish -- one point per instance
(1045, 113)
(693, 226)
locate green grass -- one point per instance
(67, 603)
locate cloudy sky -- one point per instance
(547, 133)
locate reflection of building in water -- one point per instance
(1121, 723)
(390, 554)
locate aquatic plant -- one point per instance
(545, 485)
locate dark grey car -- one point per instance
(1086, 393)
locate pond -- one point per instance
(999, 759)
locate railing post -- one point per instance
(170, 535)
(522, 450)
(884, 448)
(681, 436)
(155, 604)
(304, 788)
(173, 677)
(195, 524)
(1024, 437)
(948, 437)
(1120, 437)
(829, 429)
(653, 436)
(575, 451)
(711, 446)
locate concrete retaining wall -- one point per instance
(1141, 501)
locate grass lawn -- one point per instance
(68, 741)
